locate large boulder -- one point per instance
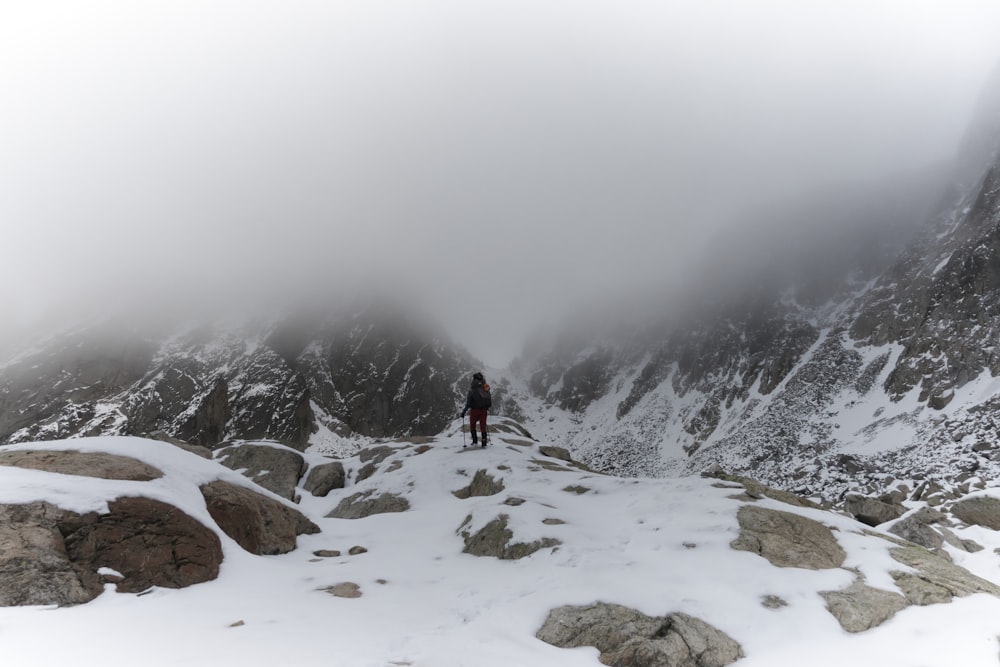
(496, 539)
(482, 484)
(928, 528)
(787, 540)
(259, 524)
(149, 542)
(860, 607)
(34, 566)
(928, 579)
(324, 478)
(872, 511)
(277, 469)
(87, 464)
(366, 503)
(628, 638)
(934, 579)
(978, 511)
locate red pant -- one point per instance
(477, 415)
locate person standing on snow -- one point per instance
(477, 404)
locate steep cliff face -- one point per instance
(351, 374)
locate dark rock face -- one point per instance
(367, 372)
(259, 524)
(149, 542)
(628, 638)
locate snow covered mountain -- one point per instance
(855, 361)
(362, 372)
(886, 371)
(813, 381)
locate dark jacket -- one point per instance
(473, 401)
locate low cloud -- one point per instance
(501, 162)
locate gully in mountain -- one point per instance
(477, 404)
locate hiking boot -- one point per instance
(484, 439)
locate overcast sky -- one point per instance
(494, 161)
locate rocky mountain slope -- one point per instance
(886, 373)
(423, 553)
(364, 372)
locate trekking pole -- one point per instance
(462, 429)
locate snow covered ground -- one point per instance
(659, 546)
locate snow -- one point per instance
(656, 545)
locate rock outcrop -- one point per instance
(52, 556)
(149, 542)
(277, 469)
(34, 566)
(978, 511)
(324, 478)
(497, 540)
(367, 503)
(787, 540)
(257, 523)
(86, 464)
(628, 638)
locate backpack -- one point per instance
(481, 398)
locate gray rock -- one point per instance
(199, 450)
(872, 511)
(87, 464)
(560, 453)
(920, 528)
(365, 504)
(495, 539)
(275, 468)
(324, 478)
(259, 524)
(366, 471)
(937, 580)
(860, 607)
(483, 484)
(345, 589)
(627, 638)
(787, 540)
(34, 566)
(376, 454)
(327, 553)
(978, 511)
(773, 602)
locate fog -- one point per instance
(495, 164)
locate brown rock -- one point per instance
(259, 524)
(149, 542)
(86, 464)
